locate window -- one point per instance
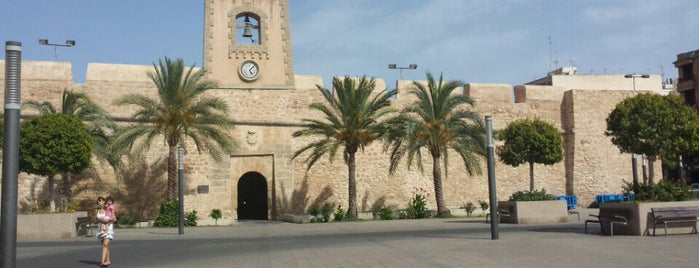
(247, 30)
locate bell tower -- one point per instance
(247, 44)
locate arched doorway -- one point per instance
(252, 197)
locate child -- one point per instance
(109, 215)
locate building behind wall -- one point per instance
(688, 72)
(686, 86)
(568, 77)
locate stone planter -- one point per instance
(53, 225)
(529, 212)
(640, 218)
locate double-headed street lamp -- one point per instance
(634, 168)
(45, 42)
(410, 67)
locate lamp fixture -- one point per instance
(45, 42)
(409, 67)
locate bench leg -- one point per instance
(665, 229)
(611, 229)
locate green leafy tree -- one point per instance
(656, 126)
(181, 109)
(96, 120)
(54, 143)
(352, 115)
(530, 141)
(438, 122)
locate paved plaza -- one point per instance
(453, 242)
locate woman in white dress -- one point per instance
(106, 237)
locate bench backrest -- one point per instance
(676, 212)
(611, 212)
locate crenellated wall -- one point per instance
(267, 118)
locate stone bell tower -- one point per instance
(247, 44)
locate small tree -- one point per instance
(654, 125)
(530, 141)
(215, 214)
(54, 143)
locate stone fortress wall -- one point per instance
(266, 119)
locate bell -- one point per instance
(247, 33)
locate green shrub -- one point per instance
(126, 221)
(190, 219)
(339, 213)
(169, 215)
(314, 210)
(535, 195)
(469, 207)
(215, 214)
(386, 213)
(326, 211)
(484, 206)
(663, 191)
(417, 208)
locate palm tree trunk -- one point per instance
(171, 174)
(52, 193)
(352, 187)
(437, 176)
(531, 176)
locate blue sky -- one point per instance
(480, 41)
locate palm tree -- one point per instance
(95, 119)
(437, 122)
(351, 121)
(179, 110)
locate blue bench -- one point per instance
(604, 198)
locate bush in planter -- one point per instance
(535, 195)
(663, 191)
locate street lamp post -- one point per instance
(180, 188)
(45, 42)
(410, 67)
(634, 165)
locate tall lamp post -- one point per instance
(180, 188)
(634, 166)
(45, 42)
(409, 67)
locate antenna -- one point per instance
(550, 58)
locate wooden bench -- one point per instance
(499, 212)
(85, 227)
(612, 217)
(675, 214)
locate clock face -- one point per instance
(249, 70)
